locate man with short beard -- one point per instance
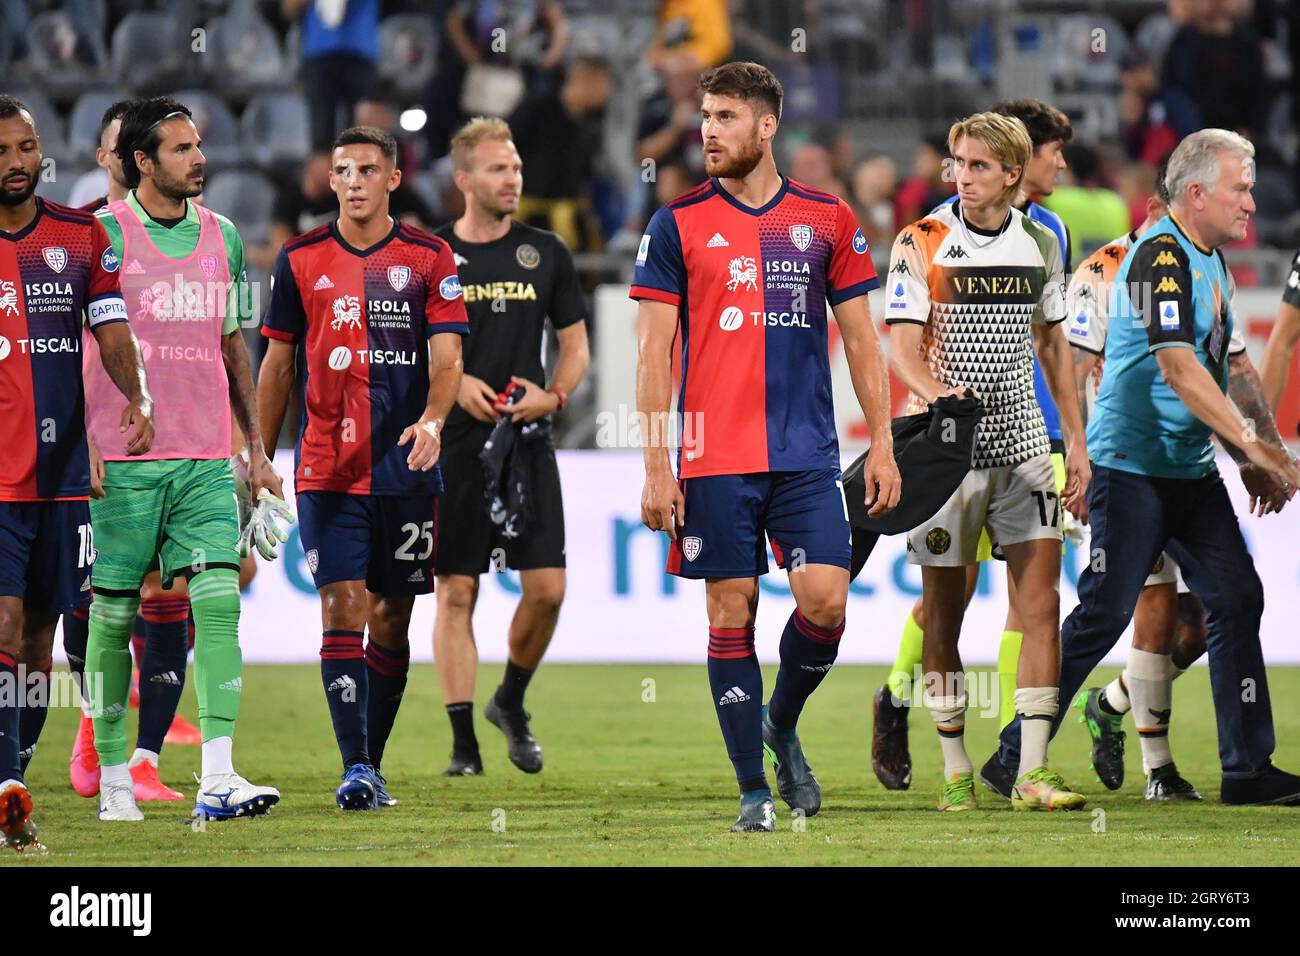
(175, 511)
(743, 265)
(56, 269)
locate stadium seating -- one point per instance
(275, 130)
(408, 52)
(216, 125)
(83, 124)
(246, 198)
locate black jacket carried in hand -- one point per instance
(933, 453)
(507, 460)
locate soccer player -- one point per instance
(367, 314)
(1155, 483)
(743, 265)
(970, 288)
(182, 271)
(163, 623)
(1169, 621)
(514, 277)
(1049, 130)
(56, 266)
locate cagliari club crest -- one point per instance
(56, 257)
(208, 263)
(801, 236)
(691, 546)
(398, 277)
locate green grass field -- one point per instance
(633, 782)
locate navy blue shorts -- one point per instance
(388, 542)
(46, 552)
(801, 512)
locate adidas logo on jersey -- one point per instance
(323, 283)
(717, 241)
(167, 677)
(235, 683)
(133, 268)
(416, 576)
(956, 252)
(733, 696)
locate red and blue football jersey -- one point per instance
(57, 269)
(361, 319)
(751, 286)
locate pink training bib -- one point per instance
(176, 308)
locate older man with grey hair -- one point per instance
(1154, 482)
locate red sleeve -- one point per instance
(444, 305)
(104, 302)
(851, 271)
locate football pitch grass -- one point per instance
(636, 774)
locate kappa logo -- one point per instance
(802, 236)
(733, 696)
(347, 313)
(691, 546)
(1166, 258)
(1097, 268)
(906, 240)
(717, 242)
(956, 252)
(56, 257)
(313, 560)
(1167, 284)
(322, 283)
(744, 273)
(208, 263)
(900, 268)
(398, 277)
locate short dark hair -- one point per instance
(11, 106)
(114, 112)
(1162, 187)
(1046, 124)
(369, 136)
(140, 122)
(752, 82)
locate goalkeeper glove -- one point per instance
(262, 530)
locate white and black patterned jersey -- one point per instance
(977, 293)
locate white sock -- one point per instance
(1116, 696)
(1036, 707)
(140, 756)
(949, 714)
(216, 756)
(116, 774)
(1151, 688)
(1175, 671)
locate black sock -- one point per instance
(463, 741)
(76, 632)
(343, 672)
(386, 670)
(31, 715)
(736, 685)
(510, 695)
(162, 668)
(807, 653)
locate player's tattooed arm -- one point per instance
(243, 405)
(870, 375)
(1267, 494)
(663, 506)
(1279, 351)
(120, 353)
(446, 365)
(1085, 363)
